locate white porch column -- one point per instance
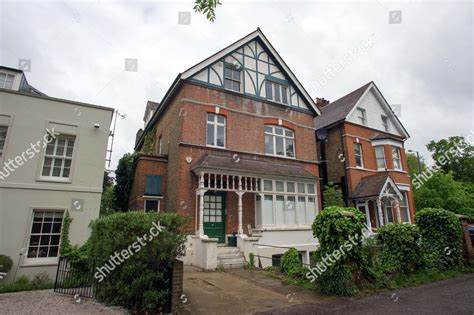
(240, 193)
(200, 192)
(397, 207)
(379, 210)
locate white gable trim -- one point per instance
(386, 107)
(387, 142)
(394, 186)
(256, 34)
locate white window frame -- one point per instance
(286, 138)
(44, 260)
(234, 80)
(215, 123)
(385, 209)
(385, 123)
(274, 86)
(285, 194)
(362, 116)
(377, 158)
(7, 75)
(356, 144)
(2, 148)
(396, 151)
(407, 207)
(63, 157)
(148, 198)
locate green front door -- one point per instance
(214, 215)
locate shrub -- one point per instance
(143, 280)
(40, 279)
(401, 248)
(332, 196)
(290, 263)
(441, 239)
(24, 284)
(339, 231)
(251, 263)
(5, 263)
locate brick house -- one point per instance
(361, 145)
(232, 146)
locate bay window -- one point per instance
(279, 141)
(380, 157)
(397, 161)
(404, 208)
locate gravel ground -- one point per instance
(48, 302)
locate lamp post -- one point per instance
(418, 157)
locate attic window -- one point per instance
(276, 92)
(6, 80)
(232, 78)
(361, 116)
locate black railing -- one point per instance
(75, 279)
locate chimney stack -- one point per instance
(321, 102)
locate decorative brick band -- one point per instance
(279, 122)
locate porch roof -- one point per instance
(371, 186)
(251, 167)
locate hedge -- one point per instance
(441, 239)
(141, 281)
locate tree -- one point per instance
(207, 7)
(412, 161)
(123, 181)
(332, 196)
(454, 155)
(442, 191)
(107, 201)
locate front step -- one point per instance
(230, 257)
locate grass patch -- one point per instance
(23, 284)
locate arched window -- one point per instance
(279, 141)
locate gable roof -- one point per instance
(340, 110)
(257, 34)
(373, 186)
(187, 74)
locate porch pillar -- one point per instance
(379, 210)
(397, 207)
(240, 193)
(200, 192)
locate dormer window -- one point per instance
(385, 123)
(232, 78)
(361, 116)
(6, 80)
(276, 92)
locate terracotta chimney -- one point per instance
(321, 102)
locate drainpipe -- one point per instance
(345, 167)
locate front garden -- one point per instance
(348, 263)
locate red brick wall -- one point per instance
(147, 165)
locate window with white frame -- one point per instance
(3, 139)
(279, 141)
(152, 205)
(287, 203)
(397, 160)
(358, 155)
(385, 123)
(380, 157)
(361, 116)
(6, 80)
(388, 209)
(215, 130)
(276, 92)
(232, 78)
(45, 234)
(404, 208)
(58, 156)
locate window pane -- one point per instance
(310, 188)
(289, 133)
(268, 210)
(280, 187)
(269, 144)
(236, 75)
(284, 96)
(228, 84)
(151, 205)
(210, 134)
(210, 117)
(301, 209)
(290, 187)
(220, 119)
(278, 131)
(277, 92)
(301, 188)
(267, 185)
(290, 148)
(279, 149)
(311, 210)
(279, 209)
(227, 72)
(290, 210)
(268, 89)
(220, 136)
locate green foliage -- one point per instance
(401, 248)
(207, 7)
(149, 142)
(332, 196)
(442, 191)
(142, 280)
(441, 239)
(251, 263)
(291, 264)
(454, 155)
(340, 230)
(65, 242)
(124, 180)
(40, 282)
(5, 263)
(107, 202)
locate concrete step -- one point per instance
(229, 256)
(227, 250)
(231, 265)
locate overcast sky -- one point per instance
(423, 61)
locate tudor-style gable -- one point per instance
(251, 66)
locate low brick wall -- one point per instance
(177, 285)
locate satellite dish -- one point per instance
(321, 134)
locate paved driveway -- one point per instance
(48, 302)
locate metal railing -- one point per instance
(75, 279)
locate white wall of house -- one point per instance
(26, 189)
